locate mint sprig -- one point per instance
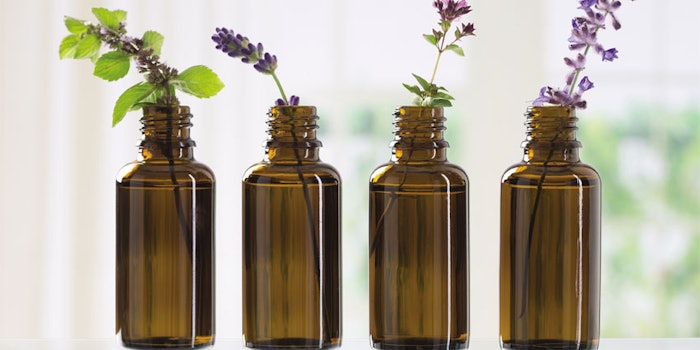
(161, 81)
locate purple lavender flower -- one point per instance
(610, 54)
(293, 101)
(582, 35)
(585, 84)
(583, 38)
(450, 10)
(267, 64)
(237, 45)
(586, 4)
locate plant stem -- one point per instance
(437, 61)
(279, 87)
(312, 225)
(441, 49)
(533, 216)
(176, 190)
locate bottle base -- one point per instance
(165, 343)
(418, 344)
(548, 344)
(290, 343)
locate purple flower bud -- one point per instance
(586, 4)
(266, 65)
(451, 10)
(610, 54)
(293, 101)
(543, 98)
(585, 84)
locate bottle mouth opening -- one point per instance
(550, 112)
(292, 111)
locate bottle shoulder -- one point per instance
(271, 172)
(429, 173)
(182, 171)
(558, 173)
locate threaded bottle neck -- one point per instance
(292, 134)
(165, 132)
(551, 134)
(419, 134)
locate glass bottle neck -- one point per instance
(551, 135)
(419, 135)
(292, 135)
(165, 133)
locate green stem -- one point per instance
(441, 49)
(279, 87)
(432, 78)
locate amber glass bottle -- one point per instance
(165, 238)
(418, 224)
(550, 240)
(291, 239)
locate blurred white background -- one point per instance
(349, 58)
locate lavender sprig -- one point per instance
(583, 37)
(237, 45)
(429, 94)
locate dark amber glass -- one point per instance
(550, 240)
(418, 224)
(291, 240)
(165, 238)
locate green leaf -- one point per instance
(75, 26)
(439, 102)
(120, 15)
(153, 40)
(430, 38)
(112, 66)
(109, 19)
(444, 96)
(198, 81)
(423, 83)
(129, 98)
(456, 49)
(150, 99)
(68, 46)
(413, 88)
(88, 46)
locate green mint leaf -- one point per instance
(75, 26)
(89, 46)
(444, 96)
(68, 46)
(120, 15)
(153, 40)
(129, 98)
(423, 83)
(413, 88)
(439, 102)
(198, 81)
(112, 66)
(109, 19)
(150, 99)
(456, 49)
(430, 38)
